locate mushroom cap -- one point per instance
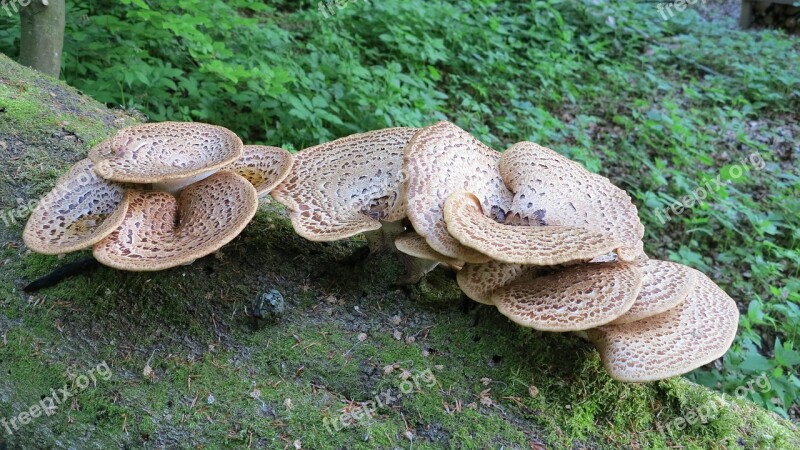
(694, 333)
(264, 167)
(441, 160)
(158, 152)
(480, 281)
(538, 245)
(415, 245)
(348, 186)
(665, 285)
(555, 191)
(573, 299)
(160, 231)
(80, 211)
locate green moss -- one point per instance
(35, 105)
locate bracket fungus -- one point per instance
(575, 298)
(264, 167)
(553, 246)
(351, 186)
(694, 333)
(160, 231)
(348, 186)
(415, 245)
(169, 155)
(107, 201)
(443, 159)
(539, 245)
(529, 205)
(80, 211)
(556, 191)
(419, 258)
(665, 285)
(480, 281)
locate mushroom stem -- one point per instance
(383, 238)
(416, 268)
(581, 334)
(174, 186)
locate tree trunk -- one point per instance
(42, 37)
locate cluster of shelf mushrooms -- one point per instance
(156, 196)
(553, 246)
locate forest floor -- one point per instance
(177, 360)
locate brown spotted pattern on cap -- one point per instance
(665, 285)
(573, 299)
(538, 245)
(346, 187)
(103, 150)
(157, 152)
(81, 210)
(559, 192)
(415, 245)
(160, 231)
(694, 333)
(264, 167)
(480, 281)
(441, 160)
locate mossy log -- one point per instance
(353, 362)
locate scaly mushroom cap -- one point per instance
(480, 281)
(414, 245)
(694, 333)
(80, 211)
(551, 190)
(346, 187)
(665, 285)
(160, 231)
(537, 245)
(441, 160)
(264, 167)
(159, 152)
(573, 299)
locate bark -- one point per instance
(42, 34)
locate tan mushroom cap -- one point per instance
(160, 231)
(555, 191)
(160, 152)
(537, 245)
(264, 167)
(696, 332)
(346, 187)
(573, 299)
(80, 211)
(413, 244)
(441, 160)
(480, 281)
(665, 285)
